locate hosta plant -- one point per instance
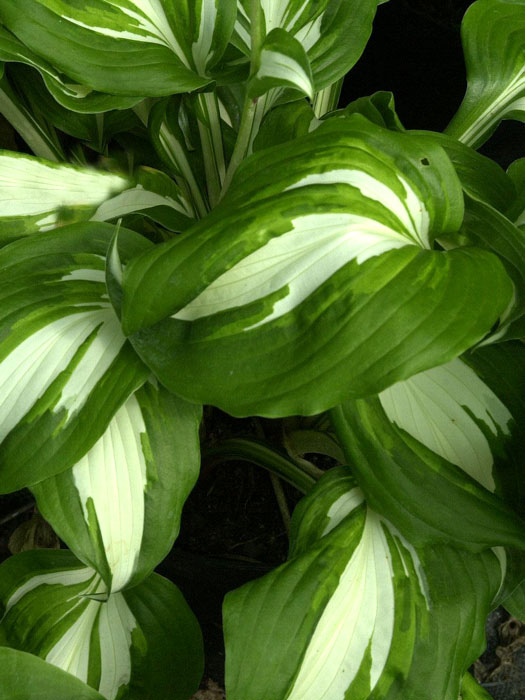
(192, 221)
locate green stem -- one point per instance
(41, 139)
(327, 99)
(209, 122)
(263, 456)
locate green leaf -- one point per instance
(471, 690)
(26, 677)
(485, 227)
(65, 366)
(516, 173)
(141, 644)
(481, 177)
(356, 609)
(119, 508)
(455, 432)
(282, 63)
(493, 33)
(284, 123)
(39, 195)
(126, 47)
(332, 34)
(379, 108)
(314, 280)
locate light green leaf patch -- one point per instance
(315, 278)
(493, 33)
(454, 431)
(118, 645)
(65, 366)
(118, 509)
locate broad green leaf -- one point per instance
(26, 677)
(481, 177)
(118, 509)
(282, 63)
(333, 34)
(516, 172)
(355, 610)
(471, 690)
(120, 645)
(155, 196)
(493, 33)
(454, 432)
(379, 108)
(39, 195)
(315, 278)
(74, 96)
(284, 123)
(485, 227)
(65, 366)
(126, 47)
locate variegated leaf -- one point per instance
(282, 63)
(333, 34)
(141, 644)
(65, 366)
(455, 432)
(315, 278)
(126, 47)
(38, 195)
(351, 612)
(118, 509)
(493, 33)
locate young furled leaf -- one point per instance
(118, 509)
(455, 432)
(143, 644)
(355, 611)
(493, 33)
(65, 366)
(126, 47)
(315, 278)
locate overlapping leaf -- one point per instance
(454, 432)
(118, 509)
(314, 280)
(65, 366)
(141, 644)
(356, 611)
(493, 33)
(126, 47)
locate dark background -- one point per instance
(415, 52)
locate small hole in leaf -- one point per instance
(425, 161)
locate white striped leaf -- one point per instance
(455, 432)
(493, 33)
(142, 644)
(118, 509)
(350, 613)
(155, 196)
(333, 34)
(27, 676)
(315, 278)
(38, 195)
(75, 96)
(126, 47)
(65, 366)
(282, 63)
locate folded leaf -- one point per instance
(493, 33)
(350, 615)
(454, 432)
(333, 34)
(125, 47)
(119, 508)
(141, 644)
(26, 676)
(282, 63)
(65, 366)
(314, 280)
(39, 195)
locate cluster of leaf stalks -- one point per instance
(197, 224)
